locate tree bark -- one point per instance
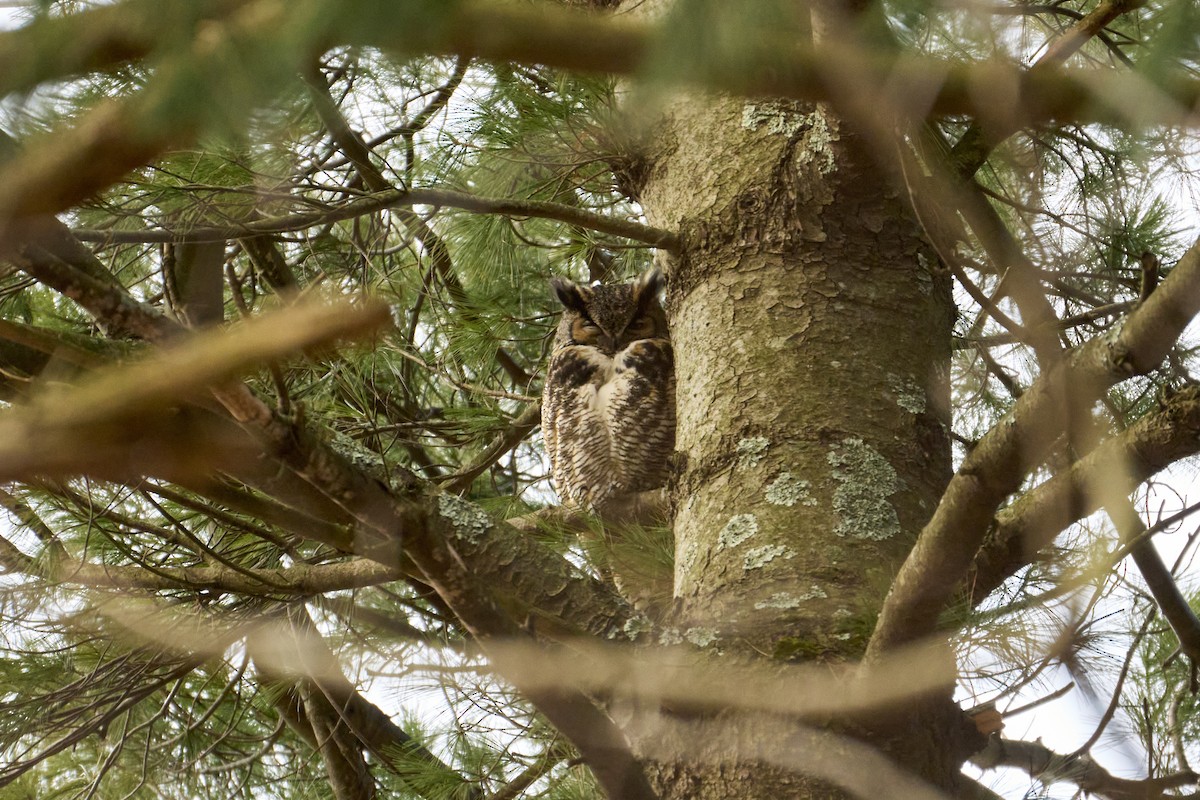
(799, 280)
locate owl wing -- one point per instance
(577, 438)
(641, 415)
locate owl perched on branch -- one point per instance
(608, 407)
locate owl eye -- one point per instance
(640, 328)
(584, 330)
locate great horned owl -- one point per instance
(608, 408)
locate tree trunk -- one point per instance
(801, 280)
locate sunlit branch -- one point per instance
(995, 468)
(67, 167)
(1039, 761)
(578, 39)
(1119, 464)
(54, 48)
(971, 150)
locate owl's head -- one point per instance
(610, 318)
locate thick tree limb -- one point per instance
(579, 39)
(1121, 463)
(971, 150)
(67, 167)
(1049, 767)
(939, 561)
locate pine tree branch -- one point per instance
(358, 515)
(1119, 464)
(971, 150)
(1040, 762)
(994, 469)
(135, 686)
(389, 199)
(69, 166)
(579, 39)
(295, 653)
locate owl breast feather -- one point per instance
(612, 421)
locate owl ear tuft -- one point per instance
(647, 286)
(570, 294)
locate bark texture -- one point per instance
(800, 280)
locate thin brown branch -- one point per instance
(1163, 588)
(395, 198)
(552, 756)
(513, 435)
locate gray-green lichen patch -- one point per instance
(865, 482)
(776, 116)
(636, 626)
(670, 637)
(817, 148)
(759, 557)
(908, 393)
(701, 637)
(787, 600)
(787, 490)
(751, 450)
(467, 519)
(364, 458)
(739, 528)
(687, 558)
(925, 274)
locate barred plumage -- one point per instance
(608, 407)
